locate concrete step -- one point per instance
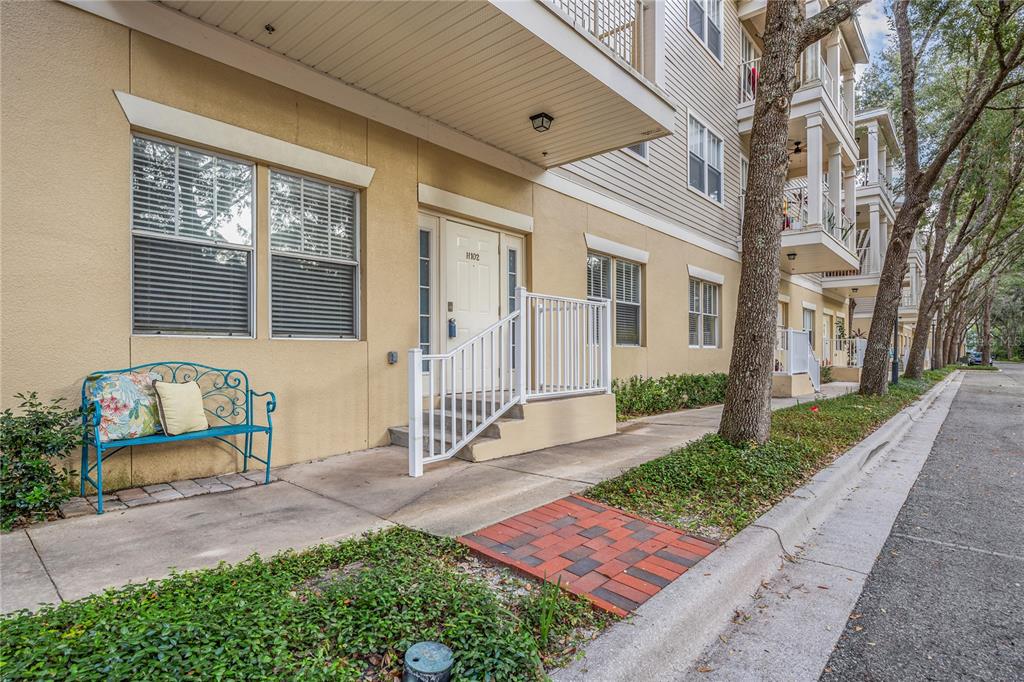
(400, 436)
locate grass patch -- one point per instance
(983, 368)
(638, 396)
(714, 488)
(340, 612)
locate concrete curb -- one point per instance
(681, 620)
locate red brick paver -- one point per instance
(613, 558)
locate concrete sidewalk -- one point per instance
(321, 501)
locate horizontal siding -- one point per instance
(695, 82)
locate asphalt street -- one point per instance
(945, 598)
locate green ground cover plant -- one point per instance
(983, 368)
(337, 612)
(637, 396)
(32, 442)
(717, 489)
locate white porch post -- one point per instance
(832, 62)
(815, 156)
(415, 412)
(521, 341)
(835, 181)
(848, 93)
(606, 350)
(850, 195)
(875, 237)
(883, 162)
(872, 153)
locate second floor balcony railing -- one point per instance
(908, 300)
(616, 23)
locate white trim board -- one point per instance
(473, 208)
(602, 245)
(706, 275)
(783, 298)
(193, 35)
(808, 306)
(159, 118)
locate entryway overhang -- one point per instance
(478, 68)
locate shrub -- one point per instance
(826, 374)
(646, 395)
(31, 484)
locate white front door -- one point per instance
(472, 281)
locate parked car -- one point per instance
(974, 357)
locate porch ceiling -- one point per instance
(814, 251)
(477, 67)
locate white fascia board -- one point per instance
(191, 34)
(706, 275)
(548, 25)
(803, 281)
(473, 208)
(616, 249)
(150, 116)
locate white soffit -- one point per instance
(473, 208)
(706, 275)
(616, 249)
(159, 118)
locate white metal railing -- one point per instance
(794, 208)
(548, 346)
(849, 352)
(750, 71)
(862, 172)
(907, 300)
(827, 80)
(567, 349)
(794, 355)
(616, 23)
(867, 266)
(845, 110)
(826, 349)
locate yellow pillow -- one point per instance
(181, 407)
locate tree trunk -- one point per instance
(986, 329)
(874, 379)
(919, 344)
(746, 415)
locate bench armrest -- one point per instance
(271, 402)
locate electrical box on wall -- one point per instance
(392, 357)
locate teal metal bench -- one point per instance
(228, 402)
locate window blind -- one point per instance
(314, 243)
(704, 316)
(627, 303)
(192, 226)
(598, 276)
(694, 327)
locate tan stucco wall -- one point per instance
(66, 245)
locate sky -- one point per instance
(875, 25)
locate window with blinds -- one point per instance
(626, 300)
(627, 303)
(704, 322)
(314, 258)
(192, 240)
(705, 20)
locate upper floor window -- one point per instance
(626, 302)
(705, 160)
(704, 323)
(314, 258)
(192, 240)
(706, 23)
(639, 150)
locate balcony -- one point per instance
(807, 247)
(479, 68)
(908, 306)
(884, 185)
(859, 281)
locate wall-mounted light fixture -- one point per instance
(791, 256)
(541, 121)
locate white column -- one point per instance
(849, 85)
(850, 194)
(875, 238)
(832, 59)
(883, 159)
(815, 159)
(835, 177)
(872, 153)
(522, 338)
(810, 56)
(415, 412)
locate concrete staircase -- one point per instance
(523, 428)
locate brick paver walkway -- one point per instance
(615, 559)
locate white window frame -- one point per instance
(703, 285)
(703, 40)
(644, 158)
(613, 295)
(705, 146)
(356, 249)
(250, 249)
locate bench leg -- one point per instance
(270, 443)
(99, 481)
(85, 466)
(247, 453)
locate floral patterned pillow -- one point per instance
(127, 404)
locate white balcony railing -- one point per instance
(908, 300)
(867, 265)
(616, 23)
(750, 71)
(848, 352)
